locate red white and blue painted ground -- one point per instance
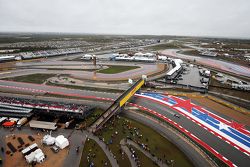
(231, 132)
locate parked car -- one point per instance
(55, 149)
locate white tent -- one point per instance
(39, 156)
(61, 142)
(48, 140)
(30, 158)
(178, 61)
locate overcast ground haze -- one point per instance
(222, 18)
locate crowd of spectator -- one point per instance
(40, 104)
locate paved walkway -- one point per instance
(104, 147)
(196, 155)
(154, 159)
(128, 152)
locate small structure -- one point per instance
(205, 72)
(61, 142)
(219, 75)
(29, 149)
(39, 156)
(2, 119)
(146, 57)
(204, 80)
(36, 156)
(22, 121)
(43, 125)
(209, 53)
(241, 87)
(87, 57)
(14, 119)
(10, 123)
(48, 140)
(33, 154)
(176, 70)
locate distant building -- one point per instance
(6, 58)
(177, 68)
(204, 80)
(241, 87)
(87, 57)
(209, 53)
(205, 72)
(139, 56)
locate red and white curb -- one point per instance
(192, 136)
(200, 124)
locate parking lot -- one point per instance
(191, 77)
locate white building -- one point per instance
(207, 73)
(87, 57)
(48, 140)
(164, 58)
(34, 156)
(61, 142)
(39, 156)
(27, 149)
(148, 57)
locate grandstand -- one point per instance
(175, 71)
(54, 108)
(13, 111)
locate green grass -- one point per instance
(33, 78)
(117, 69)
(191, 52)
(96, 154)
(91, 70)
(215, 159)
(158, 145)
(91, 118)
(86, 88)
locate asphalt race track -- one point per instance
(214, 63)
(233, 153)
(35, 68)
(236, 156)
